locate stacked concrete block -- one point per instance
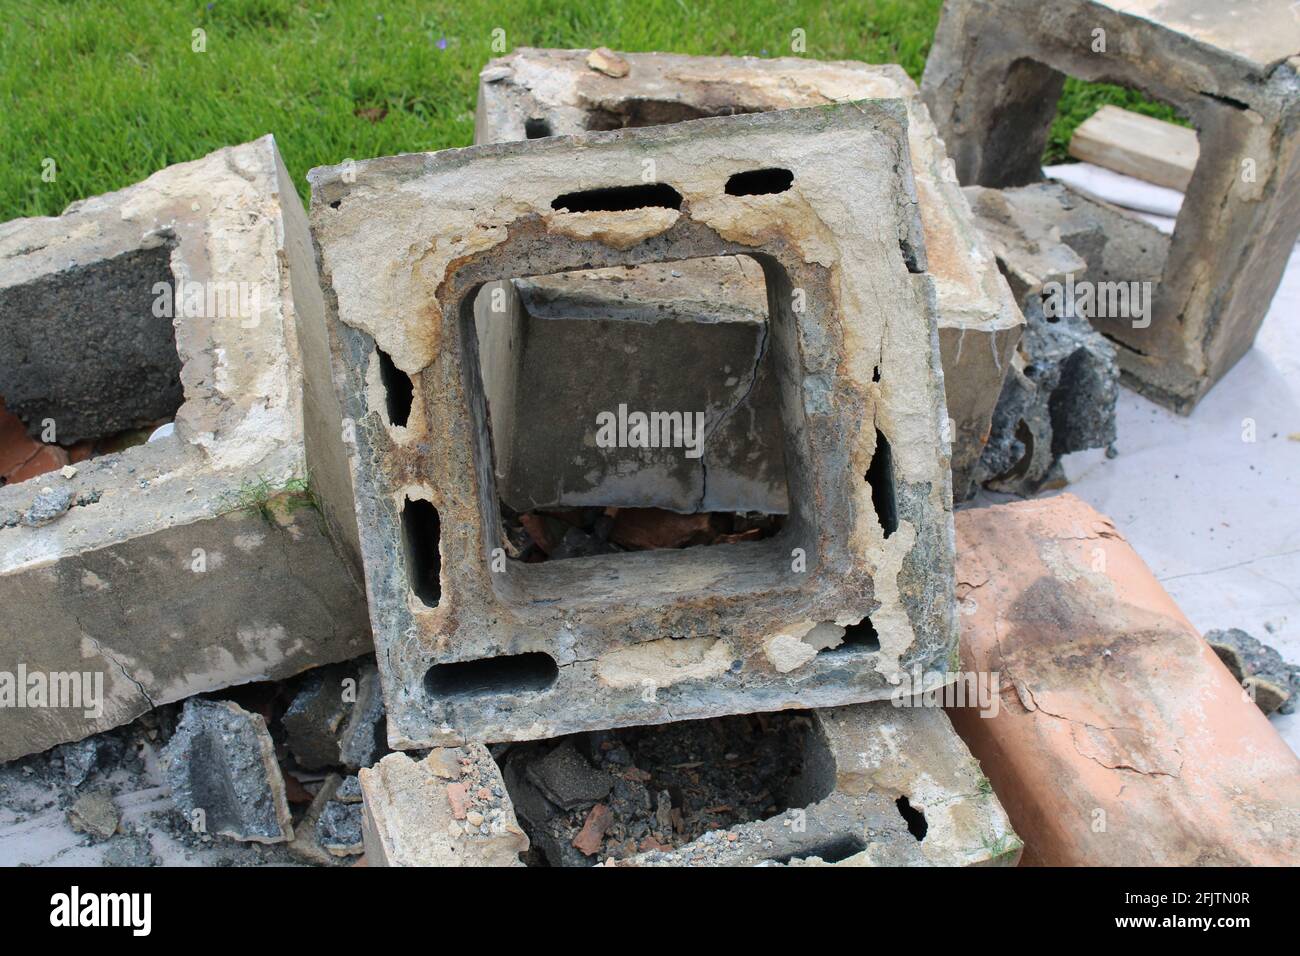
(194, 561)
(884, 784)
(856, 587)
(992, 81)
(533, 93)
(880, 784)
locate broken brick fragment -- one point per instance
(592, 834)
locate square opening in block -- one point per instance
(667, 785)
(633, 408)
(88, 362)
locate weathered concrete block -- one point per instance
(533, 93)
(152, 567)
(449, 809)
(476, 646)
(992, 81)
(1120, 738)
(1061, 390)
(223, 775)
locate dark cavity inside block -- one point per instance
(83, 348)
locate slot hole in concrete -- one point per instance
(398, 389)
(537, 128)
(620, 198)
(916, 824)
(759, 182)
(421, 534)
(880, 476)
(857, 637)
(492, 676)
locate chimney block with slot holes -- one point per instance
(829, 606)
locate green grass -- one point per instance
(260, 498)
(111, 90)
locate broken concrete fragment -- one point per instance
(1063, 383)
(49, 504)
(339, 829)
(1272, 682)
(221, 768)
(567, 779)
(349, 790)
(536, 92)
(1120, 739)
(364, 738)
(314, 718)
(477, 646)
(409, 819)
(992, 80)
(151, 573)
(306, 843)
(604, 60)
(94, 813)
(84, 757)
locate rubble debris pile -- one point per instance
(1063, 381)
(656, 787)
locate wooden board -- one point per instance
(1136, 145)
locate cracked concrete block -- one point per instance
(1063, 384)
(220, 765)
(449, 809)
(147, 569)
(992, 81)
(1120, 739)
(474, 645)
(533, 93)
